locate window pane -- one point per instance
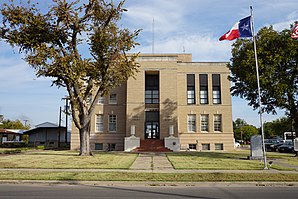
(204, 123)
(205, 146)
(217, 123)
(98, 146)
(151, 96)
(191, 123)
(203, 96)
(112, 123)
(113, 99)
(190, 97)
(192, 146)
(99, 123)
(101, 100)
(219, 147)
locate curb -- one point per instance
(150, 183)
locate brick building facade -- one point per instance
(186, 104)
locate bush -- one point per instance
(14, 145)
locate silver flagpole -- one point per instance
(259, 90)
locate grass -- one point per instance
(170, 177)
(117, 160)
(214, 161)
(67, 160)
(12, 150)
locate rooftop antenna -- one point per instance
(153, 36)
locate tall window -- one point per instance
(113, 99)
(191, 96)
(151, 96)
(191, 123)
(216, 89)
(203, 89)
(152, 89)
(217, 123)
(101, 100)
(112, 123)
(99, 123)
(204, 122)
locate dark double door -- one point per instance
(152, 125)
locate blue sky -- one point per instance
(191, 26)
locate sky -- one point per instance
(190, 26)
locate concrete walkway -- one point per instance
(152, 161)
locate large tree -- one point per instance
(54, 41)
(10, 124)
(242, 130)
(278, 127)
(278, 66)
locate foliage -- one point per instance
(242, 130)
(10, 124)
(238, 123)
(25, 138)
(278, 127)
(278, 68)
(245, 132)
(54, 44)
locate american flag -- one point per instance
(294, 34)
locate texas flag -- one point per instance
(241, 29)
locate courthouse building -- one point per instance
(182, 104)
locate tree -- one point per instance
(1, 118)
(10, 124)
(278, 68)
(242, 130)
(54, 43)
(278, 127)
(238, 123)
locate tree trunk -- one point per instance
(85, 140)
(296, 125)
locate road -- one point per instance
(12, 191)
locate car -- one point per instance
(287, 147)
(272, 144)
(237, 145)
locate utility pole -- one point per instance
(66, 116)
(59, 134)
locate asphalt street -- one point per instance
(33, 191)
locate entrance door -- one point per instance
(152, 130)
(152, 125)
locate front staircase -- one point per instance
(152, 146)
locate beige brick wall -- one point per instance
(172, 70)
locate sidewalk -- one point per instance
(152, 161)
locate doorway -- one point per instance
(152, 125)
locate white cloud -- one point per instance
(167, 15)
(203, 47)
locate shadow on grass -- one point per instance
(219, 155)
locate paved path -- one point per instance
(152, 161)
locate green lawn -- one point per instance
(214, 160)
(67, 160)
(227, 160)
(162, 177)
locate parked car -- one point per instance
(237, 145)
(287, 147)
(272, 144)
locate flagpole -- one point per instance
(259, 90)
